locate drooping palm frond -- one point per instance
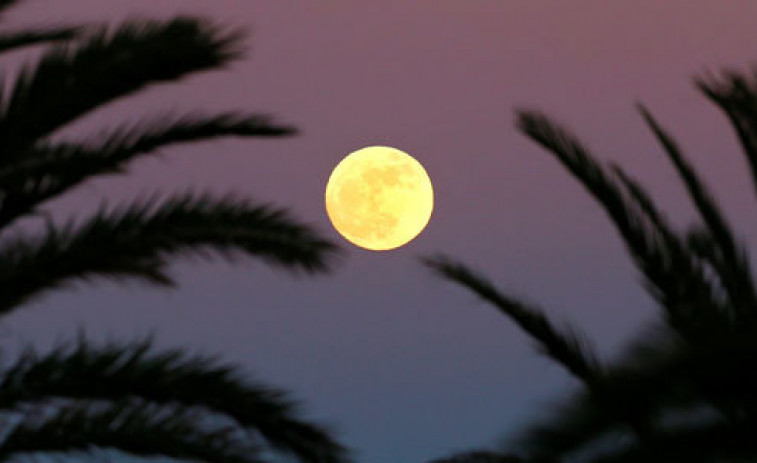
(49, 170)
(670, 386)
(135, 241)
(674, 276)
(698, 191)
(137, 430)
(687, 296)
(731, 260)
(685, 393)
(72, 79)
(672, 252)
(565, 346)
(171, 378)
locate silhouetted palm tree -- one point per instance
(127, 397)
(688, 392)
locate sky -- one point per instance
(403, 366)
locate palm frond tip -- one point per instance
(565, 346)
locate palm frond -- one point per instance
(50, 170)
(735, 95)
(566, 347)
(698, 244)
(13, 40)
(82, 399)
(137, 430)
(646, 205)
(672, 276)
(686, 393)
(700, 194)
(136, 242)
(731, 263)
(135, 371)
(73, 79)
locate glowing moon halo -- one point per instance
(379, 198)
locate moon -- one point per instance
(379, 198)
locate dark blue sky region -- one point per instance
(407, 367)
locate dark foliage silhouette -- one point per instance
(684, 390)
(129, 397)
(480, 456)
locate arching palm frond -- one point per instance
(75, 78)
(171, 379)
(133, 429)
(698, 191)
(614, 404)
(566, 347)
(686, 392)
(125, 397)
(136, 241)
(731, 261)
(49, 170)
(678, 282)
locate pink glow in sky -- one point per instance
(407, 367)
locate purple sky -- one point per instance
(405, 366)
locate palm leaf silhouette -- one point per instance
(684, 390)
(130, 397)
(172, 382)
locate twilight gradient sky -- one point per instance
(404, 366)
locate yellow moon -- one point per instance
(379, 198)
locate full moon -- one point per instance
(379, 198)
